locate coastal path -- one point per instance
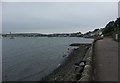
(106, 60)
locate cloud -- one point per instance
(48, 17)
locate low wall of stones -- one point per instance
(87, 72)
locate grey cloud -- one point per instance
(48, 17)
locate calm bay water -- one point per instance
(30, 59)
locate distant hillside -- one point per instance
(113, 27)
(77, 34)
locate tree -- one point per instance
(109, 27)
(95, 30)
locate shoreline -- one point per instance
(68, 70)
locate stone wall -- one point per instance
(87, 72)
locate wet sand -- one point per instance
(69, 71)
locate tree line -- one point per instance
(113, 27)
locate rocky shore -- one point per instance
(72, 68)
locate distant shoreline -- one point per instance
(78, 34)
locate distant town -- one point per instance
(112, 29)
(77, 34)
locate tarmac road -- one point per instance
(106, 60)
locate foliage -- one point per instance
(112, 27)
(95, 30)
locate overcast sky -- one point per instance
(56, 17)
